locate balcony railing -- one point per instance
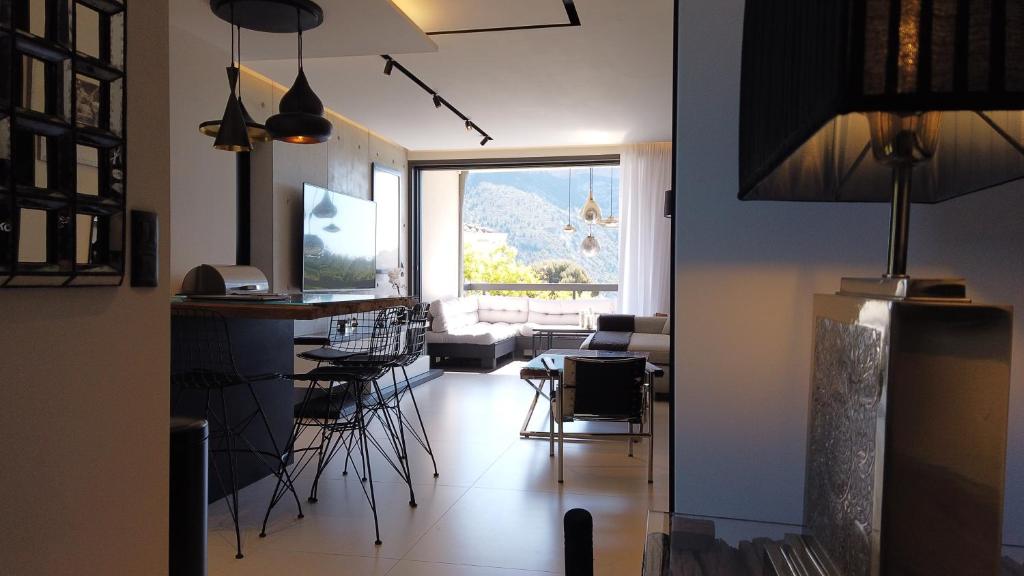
(574, 289)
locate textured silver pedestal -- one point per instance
(907, 434)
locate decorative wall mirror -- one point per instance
(62, 142)
(387, 186)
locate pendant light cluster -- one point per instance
(300, 119)
(390, 65)
(590, 214)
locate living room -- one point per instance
(477, 287)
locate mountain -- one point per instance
(531, 207)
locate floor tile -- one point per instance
(523, 530)
(415, 568)
(495, 510)
(276, 563)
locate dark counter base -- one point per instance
(259, 347)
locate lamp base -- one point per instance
(906, 288)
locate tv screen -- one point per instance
(338, 241)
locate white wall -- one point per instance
(745, 276)
(203, 180)
(84, 388)
(441, 233)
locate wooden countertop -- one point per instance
(298, 307)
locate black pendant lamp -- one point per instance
(230, 132)
(300, 118)
(257, 132)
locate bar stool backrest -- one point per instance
(415, 334)
(385, 344)
(603, 388)
(201, 351)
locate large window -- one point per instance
(524, 226)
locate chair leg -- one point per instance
(650, 440)
(423, 429)
(232, 473)
(361, 423)
(561, 436)
(551, 417)
(282, 468)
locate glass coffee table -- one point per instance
(544, 338)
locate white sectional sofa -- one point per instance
(487, 328)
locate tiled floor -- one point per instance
(495, 510)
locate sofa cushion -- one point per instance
(656, 344)
(649, 324)
(667, 329)
(454, 314)
(478, 333)
(566, 312)
(508, 309)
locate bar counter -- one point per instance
(262, 335)
(297, 307)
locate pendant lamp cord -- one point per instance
(570, 196)
(232, 64)
(239, 62)
(298, 26)
(611, 179)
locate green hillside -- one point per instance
(530, 206)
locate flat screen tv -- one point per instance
(338, 241)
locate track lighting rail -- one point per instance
(439, 101)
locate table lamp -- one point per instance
(897, 101)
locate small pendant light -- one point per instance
(591, 212)
(590, 246)
(569, 228)
(300, 118)
(611, 221)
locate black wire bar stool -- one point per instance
(342, 400)
(203, 363)
(414, 341)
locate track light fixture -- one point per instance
(390, 64)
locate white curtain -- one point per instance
(645, 234)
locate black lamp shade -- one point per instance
(301, 118)
(232, 134)
(257, 132)
(815, 71)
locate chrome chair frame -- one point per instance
(645, 414)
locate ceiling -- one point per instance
(607, 81)
(345, 31)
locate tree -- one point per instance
(498, 266)
(561, 271)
